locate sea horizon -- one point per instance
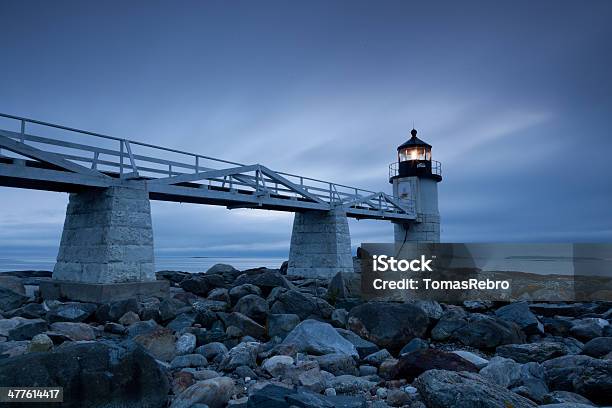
(192, 264)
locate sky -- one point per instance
(515, 97)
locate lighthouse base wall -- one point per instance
(427, 230)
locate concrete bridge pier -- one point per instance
(106, 250)
(320, 244)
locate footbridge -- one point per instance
(107, 237)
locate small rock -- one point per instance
(212, 350)
(114, 328)
(330, 392)
(366, 370)
(413, 345)
(189, 360)
(277, 365)
(221, 294)
(239, 291)
(339, 318)
(129, 318)
(472, 358)
(244, 354)
(337, 363)
(397, 398)
(185, 344)
(245, 372)
(253, 306)
(215, 393)
(40, 343)
(377, 358)
(363, 346)
(314, 337)
(74, 331)
(349, 384)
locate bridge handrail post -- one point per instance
(23, 124)
(121, 158)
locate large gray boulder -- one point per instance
(213, 393)
(442, 389)
(477, 330)
(519, 313)
(10, 299)
(598, 347)
(538, 352)
(318, 338)
(254, 307)
(413, 364)
(584, 375)
(19, 328)
(279, 325)
(302, 304)
(93, 375)
(244, 354)
(389, 325)
(527, 380)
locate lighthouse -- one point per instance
(415, 177)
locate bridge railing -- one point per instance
(125, 158)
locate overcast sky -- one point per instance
(515, 98)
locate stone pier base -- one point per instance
(107, 240)
(320, 244)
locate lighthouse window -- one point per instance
(415, 153)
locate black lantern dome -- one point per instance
(414, 159)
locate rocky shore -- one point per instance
(258, 338)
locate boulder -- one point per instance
(337, 363)
(413, 345)
(350, 384)
(29, 311)
(276, 366)
(472, 358)
(519, 313)
(344, 285)
(74, 331)
(525, 379)
(92, 375)
(18, 328)
(170, 308)
(432, 309)
(598, 347)
(221, 294)
(538, 352)
(481, 331)
(364, 347)
(281, 324)
(451, 320)
(10, 299)
(265, 279)
(560, 397)
(588, 328)
(112, 312)
(246, 325)
(339, 318)
(441, 389)
(413, 364)
(40, 343)
(158, 342)
(301, 304)
(186, 344)
(254, 307)
(212, 350)
(71, 312)
(584, 375)
(318, 338)
(377, 358)
(244, 354)
(188, 360)
(239, 291)
(202, 284)
(129, 318)
(13, 283)
(214, 393)
(389, 325)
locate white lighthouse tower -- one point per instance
(415, 177)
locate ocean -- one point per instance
(175, 263)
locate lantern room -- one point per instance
(414, 159)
